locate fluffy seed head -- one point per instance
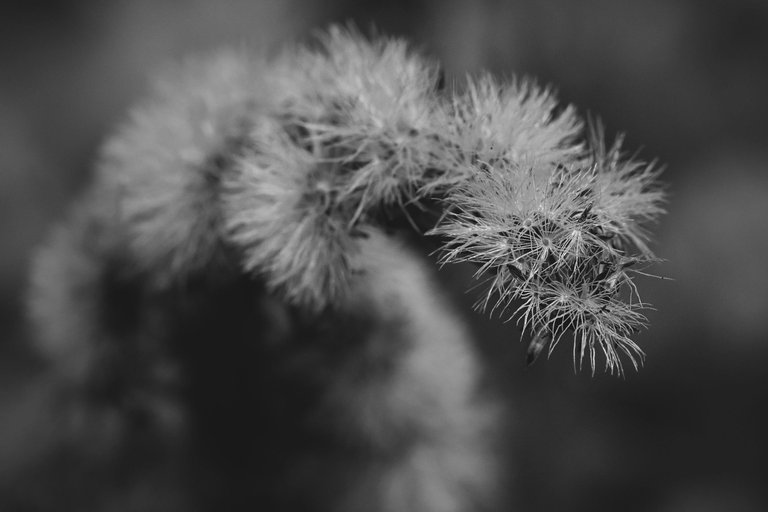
(284, 163)
(281, 212)
(494, 122)
(372, 106)
(164, 162)
(560, 241)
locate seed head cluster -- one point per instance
(557, 243)
(284, 162)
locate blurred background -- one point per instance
(686, 80)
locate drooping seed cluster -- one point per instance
(283, 162)
(557, 242)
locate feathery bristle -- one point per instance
(283, 163)
(372, 107)
(559, 240)
(164, 162)
(281, 212)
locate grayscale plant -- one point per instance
(276, 167)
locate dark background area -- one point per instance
(686, 80)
